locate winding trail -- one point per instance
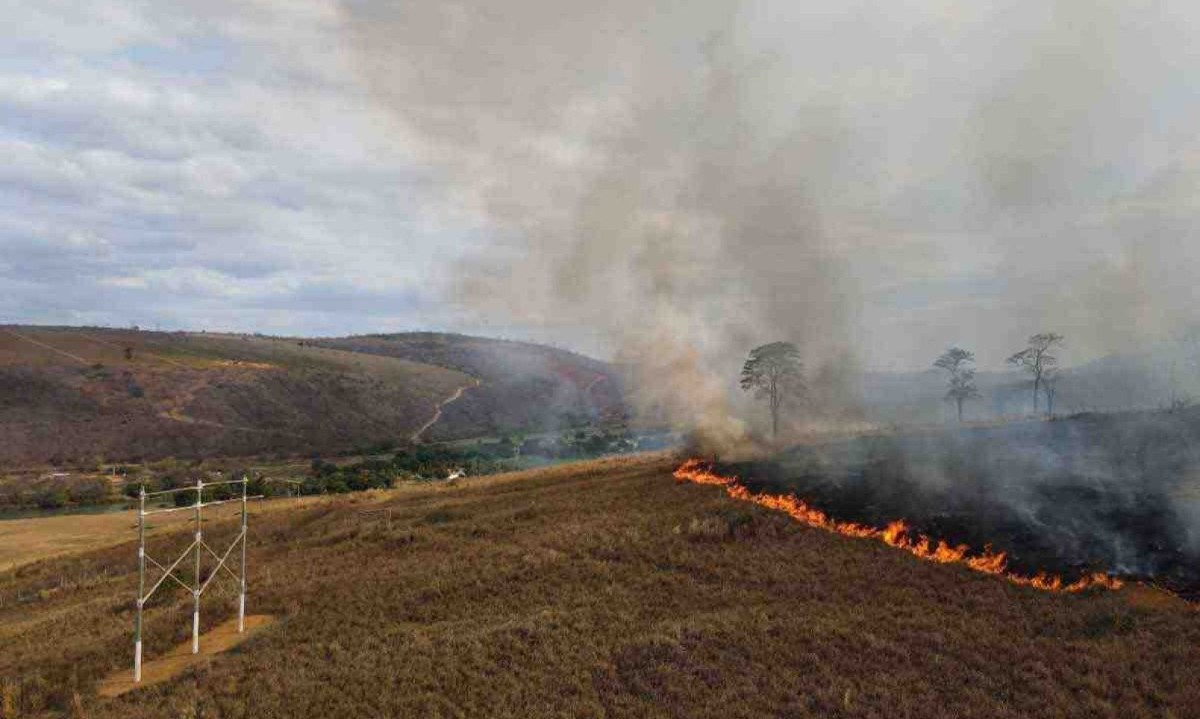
(587, 391)
(116, 346)
(174, 413)
(437, 414)
(32, 341)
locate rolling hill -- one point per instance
(82, 395)
(522, 385)
(1149, 380)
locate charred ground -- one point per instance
(1095, 492)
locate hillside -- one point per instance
(523, 386)
(1112, 383)
(83, 395)
(602, 589)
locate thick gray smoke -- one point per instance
(1099, 492)
(673, 183)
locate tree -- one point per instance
(957, 362)
(1037, 359)
(775, 373)
(1050, 385)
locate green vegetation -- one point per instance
(377, 466)
(54, 491)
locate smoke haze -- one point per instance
(673, 183)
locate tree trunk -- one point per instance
(774, 410)
(1037, 386)
(960, 401)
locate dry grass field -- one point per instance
(24, 541)
(602, 589)
(73, 396)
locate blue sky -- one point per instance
(273, 166)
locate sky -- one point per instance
(214, 166)
(879, 182)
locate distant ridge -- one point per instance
(84, 394)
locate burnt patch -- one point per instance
(1069, 497)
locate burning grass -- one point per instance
(896, 534)
(597, 590)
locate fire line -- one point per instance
(896, 534)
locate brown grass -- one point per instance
(69, 396)
(157, 670)
(600, 589)
(24, 541)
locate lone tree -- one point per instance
(958, 363)
(775, 373)
(1037, 359)
(1050, 387)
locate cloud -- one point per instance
(206, 163)
(893, 179)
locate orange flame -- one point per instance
(897, 534)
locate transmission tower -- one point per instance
(195, 550)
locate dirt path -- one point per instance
(176, 416)
(587, 391)
(122, 349)
(32, 341)
(174, 413)
(186, 394)
(220, 638)
(437, 414)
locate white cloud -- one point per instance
(162, 189)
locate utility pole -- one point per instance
(137, 627)
(242, 594)
(196, 587)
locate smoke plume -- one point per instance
(674, 183)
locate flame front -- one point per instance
(896, 534)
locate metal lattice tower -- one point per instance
(194, 549)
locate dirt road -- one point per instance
(437, 414)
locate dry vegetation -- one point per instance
(72, 396)
(601, 589)
(23, 541)
(524, 386)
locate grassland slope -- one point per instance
(594, 590)
(524, 387)
(72, 395)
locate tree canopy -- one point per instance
(775, 373)
(1038, 359)
(957, 362)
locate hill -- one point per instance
(85, 395)
(523, 385)
(600, 589)
(1149, 380)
